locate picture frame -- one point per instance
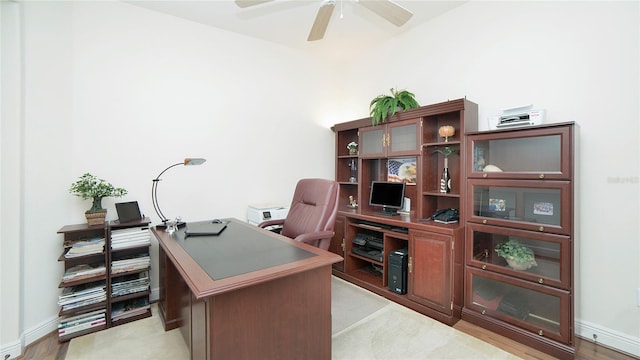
(543, 207)
(402, 170)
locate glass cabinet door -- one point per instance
(529, 205)
(538, 309)
(372, 141)
(541, 258)
(527, 154)
(403, 137)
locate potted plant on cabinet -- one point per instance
(90, 187)
(518, 256)
(384, 106)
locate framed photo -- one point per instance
(543, 207)
(402, 170)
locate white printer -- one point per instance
(519, 116)
(257, 214)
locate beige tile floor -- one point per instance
(365, 326)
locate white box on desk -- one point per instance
(257, 214)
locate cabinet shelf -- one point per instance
(130, 296)
(441, 143)
(373, 261)
(82, 309)
(64, 338)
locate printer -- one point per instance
(518, 116)
(257, 214)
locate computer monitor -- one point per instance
(388, 195)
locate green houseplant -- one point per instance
(90, 187)
(518, 256)
(384, 106)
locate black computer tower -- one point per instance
(398, 271)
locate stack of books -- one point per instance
(130, 237)
(129, 308)
(133, 264)
(73, 324)
(83, 271)
(82, 295)
(85, 247)
(130, 284)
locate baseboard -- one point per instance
(155, 294)
(609, 338)
(11, 351)
(14, 349)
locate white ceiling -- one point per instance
(288, 22)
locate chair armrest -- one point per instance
(264, 224)
(320, 235)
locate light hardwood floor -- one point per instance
(48, 347)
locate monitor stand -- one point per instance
(388, 212)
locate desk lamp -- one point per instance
(154, 190)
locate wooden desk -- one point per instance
(246, 294)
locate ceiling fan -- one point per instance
(387, 9)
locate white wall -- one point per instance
(123, 92)
(578, 60)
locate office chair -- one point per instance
(312, 214)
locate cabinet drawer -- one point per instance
(552, 254)
(540, 309)
(542, 206)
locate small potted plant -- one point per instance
(384, 106)
(353, 148)
(518, 256)
(90, 187)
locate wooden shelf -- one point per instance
(73, 233)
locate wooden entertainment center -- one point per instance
(449, 265)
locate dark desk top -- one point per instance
(240, 256)
(238, 250)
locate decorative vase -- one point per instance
(96, 215)
(95, 218)
(353, 151)
(445, 179)
(354, 171)
(520, 265)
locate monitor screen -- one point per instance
(389, 195)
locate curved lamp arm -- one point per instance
(154, 186)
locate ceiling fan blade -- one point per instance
(247, 3)
(322, 20)
(389, 10)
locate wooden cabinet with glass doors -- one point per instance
(519, 235)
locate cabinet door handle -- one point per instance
(541, 228)
(484, 221)
(541, 332)
(484, 267)
(541, 176)
(410, 265)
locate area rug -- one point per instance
(364, 326)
